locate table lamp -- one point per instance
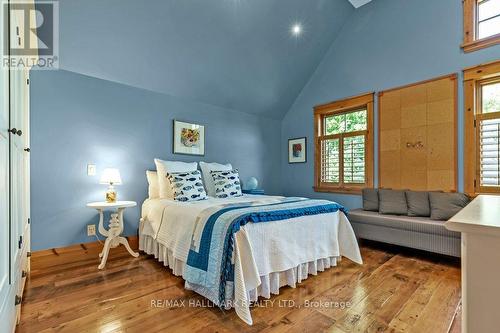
(252, 183)
(112, 177)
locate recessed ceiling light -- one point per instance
(296, 29)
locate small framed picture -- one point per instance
(189, 138)
(297, 150)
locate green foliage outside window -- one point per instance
(491, 98)
(346, 122)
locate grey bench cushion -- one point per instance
(370, 199)
(392, 202)
(410, 223)
(418, 203)
(445, 205)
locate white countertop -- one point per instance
(482, 215)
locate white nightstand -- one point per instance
(115, 227)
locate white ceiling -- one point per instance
(359, 3)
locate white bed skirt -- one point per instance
(270, 283)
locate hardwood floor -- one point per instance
(395, 290)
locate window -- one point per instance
(482, 129)
(343, 142)
(481, 24)
(488, 18)
(488, 134)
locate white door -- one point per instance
(19, 115)
(4, 177)
(18, 121)
(26, 163)
(14, 180)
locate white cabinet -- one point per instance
(19, 179)
(4, 188)
(479, 224)
(14, 187)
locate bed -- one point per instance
(264, 257)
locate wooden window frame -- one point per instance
(471, 42)
(474, 78)
(338, 107)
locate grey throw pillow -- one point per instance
(445, 205)
(392, 202)
(370, 199)
(418, 203)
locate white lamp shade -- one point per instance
(111, 176)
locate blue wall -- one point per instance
(384, 44)
(77, 120)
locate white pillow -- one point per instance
(206, 169)
(153, 189)
(164, 167)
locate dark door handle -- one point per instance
(13, 130)
(19, 132)
(27, 150)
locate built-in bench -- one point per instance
(416, 232)
(377, 222)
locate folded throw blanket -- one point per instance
(210, 263)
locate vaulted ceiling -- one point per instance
(236, 54)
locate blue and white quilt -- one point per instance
(210, 264)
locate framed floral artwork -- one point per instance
(189, 138)
(297, 150)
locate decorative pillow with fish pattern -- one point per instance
(187, 186)
(227, 183)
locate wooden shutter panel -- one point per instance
(354, 159)
(330, 160)
(489, 152)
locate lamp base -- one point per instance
(111, 194)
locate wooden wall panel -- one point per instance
(417, 127)
(413, 161)
(390, 170)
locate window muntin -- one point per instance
(488, 18)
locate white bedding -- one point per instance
(260, 248)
